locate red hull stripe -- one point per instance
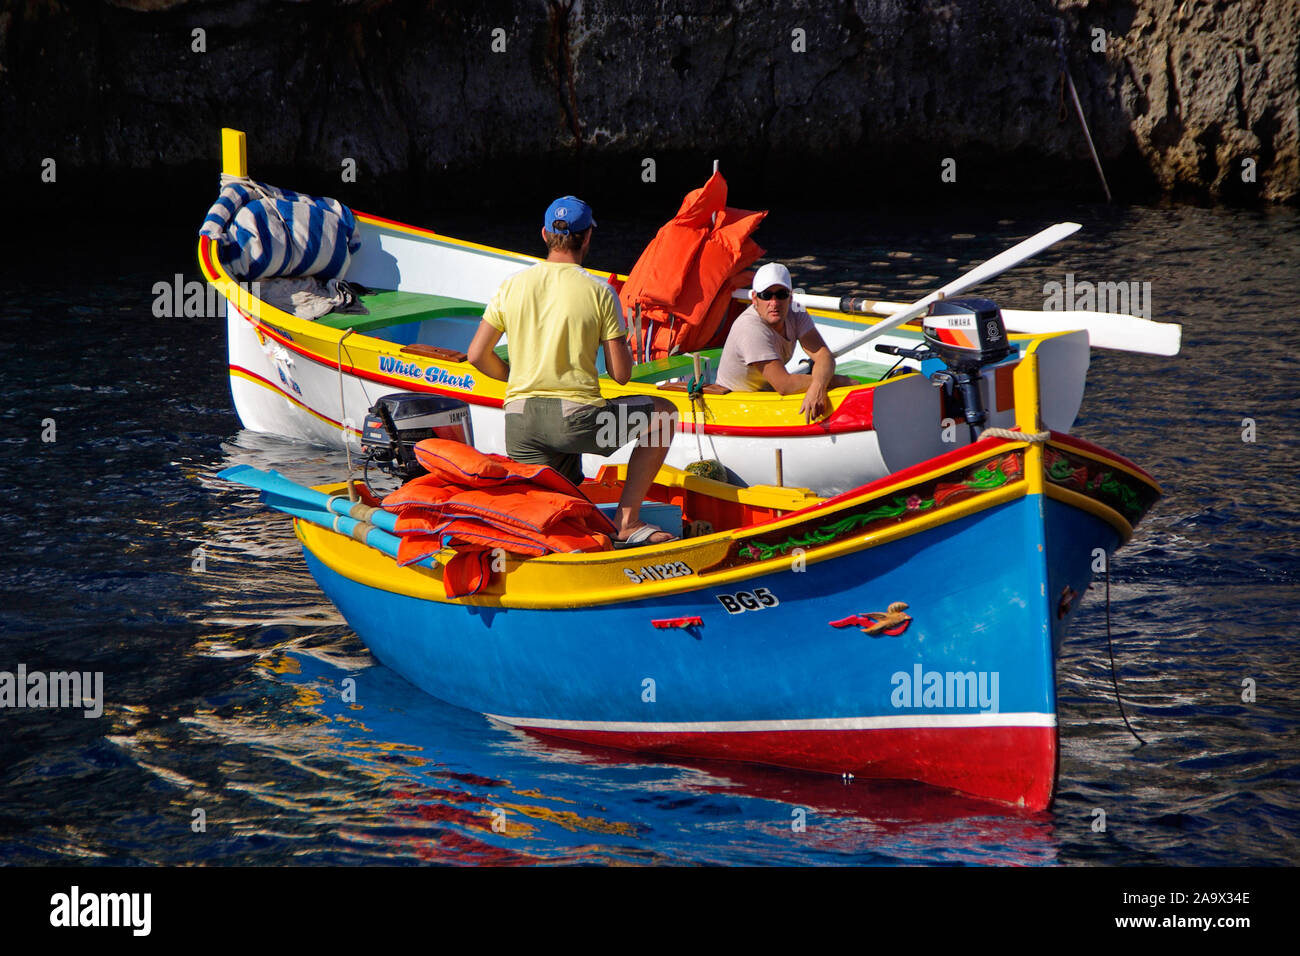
(392, 222)
(266, 382)
(1015, 765)
(205, 252)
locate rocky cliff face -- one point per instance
(1212, 91)
(1185, 96)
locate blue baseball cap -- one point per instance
(575, 213)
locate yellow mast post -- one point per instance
(234, 152)
(1027, 398)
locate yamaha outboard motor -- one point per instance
(966, 335)
(398, 421)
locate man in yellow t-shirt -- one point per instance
(556, 316)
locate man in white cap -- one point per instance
(761, 342)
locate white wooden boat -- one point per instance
(316, 380)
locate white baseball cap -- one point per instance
(772, 274)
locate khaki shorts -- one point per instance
(558, 432)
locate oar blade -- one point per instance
(1125, 333)
(1012, 257)
(981, 273)
(270, 480)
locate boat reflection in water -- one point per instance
(814, 818)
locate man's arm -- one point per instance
(618, 359)
(483, 358)
(823, 376)
(781, 380)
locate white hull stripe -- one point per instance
(902, 721)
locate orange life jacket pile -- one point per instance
(684, 278)
(474, 503)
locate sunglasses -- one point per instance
(773, 294)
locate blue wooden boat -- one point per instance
(905, 629)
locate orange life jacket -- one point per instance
(515, 504)
(475, 503)
(460, 464)
(684, 278)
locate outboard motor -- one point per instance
(966, 335)
(397, 421)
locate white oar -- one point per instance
(1126, 333)
(1106, 330)
(981, 273)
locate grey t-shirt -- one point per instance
(753, 340)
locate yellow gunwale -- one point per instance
(558, 581)
(572, 580)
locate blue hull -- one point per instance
(971, 678)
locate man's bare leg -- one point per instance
(642, 467)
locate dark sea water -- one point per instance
(223, 663)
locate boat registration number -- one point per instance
(658, 572)
(743, 601)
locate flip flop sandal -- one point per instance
(640, 538)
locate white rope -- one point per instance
(1010, 434)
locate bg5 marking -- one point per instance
(743, 601)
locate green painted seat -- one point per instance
(674, 366)
(863, 372)
(399, 308)
(656, 370)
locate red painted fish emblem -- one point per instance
(891, 622)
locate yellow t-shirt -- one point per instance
(555, 316)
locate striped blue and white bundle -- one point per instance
(262, 231)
